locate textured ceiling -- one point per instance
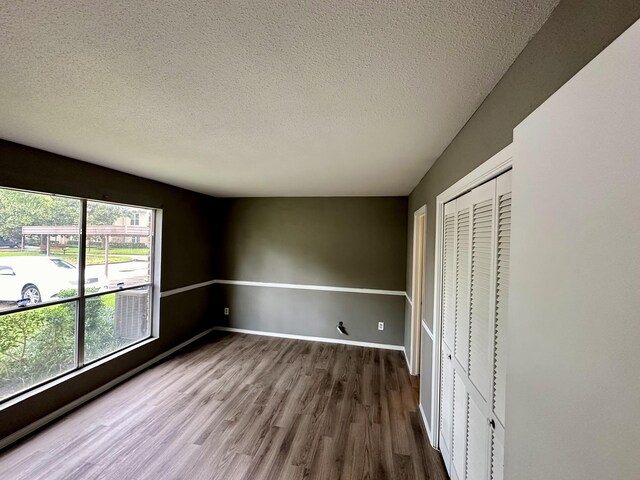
(256, 98)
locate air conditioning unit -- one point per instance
(132, 314)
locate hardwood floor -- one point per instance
(237, 406)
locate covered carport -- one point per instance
(104, 231)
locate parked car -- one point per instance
(40, 279)
(7, 243)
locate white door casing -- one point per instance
(417, 292)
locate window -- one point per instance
(74, 286)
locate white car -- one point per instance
(40, 279)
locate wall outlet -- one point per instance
(226, 310)
(380, 325)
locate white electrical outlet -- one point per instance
(380, 325)
(226, 310)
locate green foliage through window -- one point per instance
(39, 344)
(18, 209)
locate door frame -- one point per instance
(417, 286)
(499, 163)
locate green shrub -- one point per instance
(36, 345)
(39, 344)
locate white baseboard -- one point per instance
(406, 359)
(383, 346)
(94, 393)
(426, 425)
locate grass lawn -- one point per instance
(17, 253)
(92, 259)
(95, 259)
(112, 251)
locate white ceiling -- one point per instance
(256, 98)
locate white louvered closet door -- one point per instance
(459, 362)
(474, 319)
(448, 330)
(502, 251)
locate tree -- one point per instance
(103, 214)
(19, 209)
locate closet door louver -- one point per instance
(502, 294)
(449, 275)
(463, 245)
(480, 315)
(476, 248)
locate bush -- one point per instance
(74, 244)
(128, 245)
(36, 345)
(39, 344)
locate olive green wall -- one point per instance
(189, 256)
(337, 242)
(575, 33)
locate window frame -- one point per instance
(152, 284)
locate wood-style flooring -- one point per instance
(236, 406)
